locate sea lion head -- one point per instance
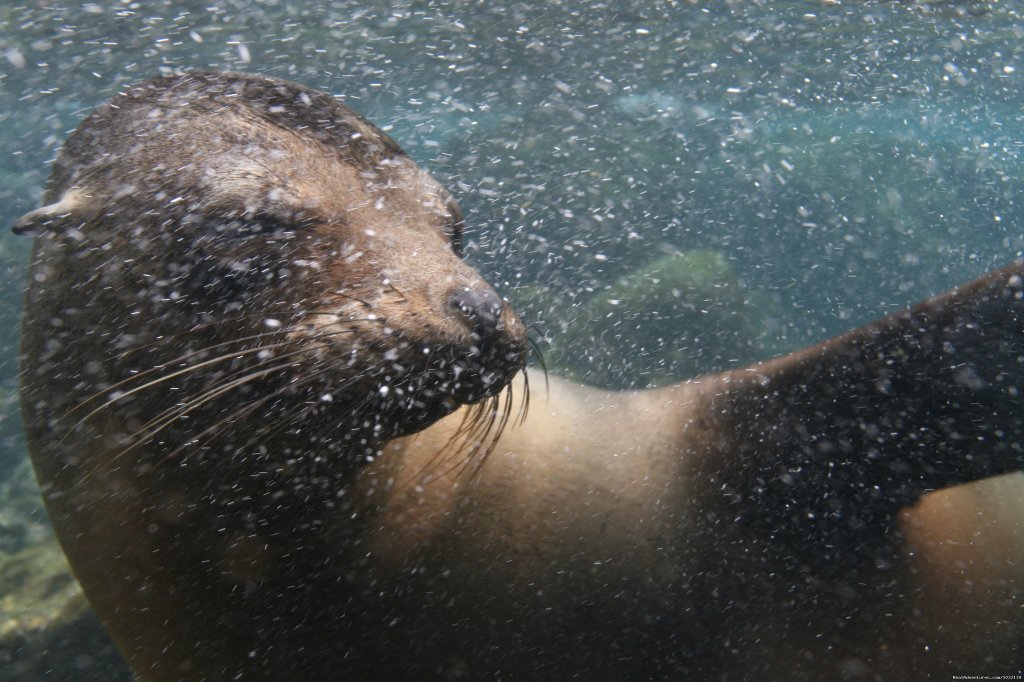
(244, 241)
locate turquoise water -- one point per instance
(837, 160)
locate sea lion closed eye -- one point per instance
(247, 326)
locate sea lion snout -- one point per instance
(495, 347)
(496, 332)
(481, 306)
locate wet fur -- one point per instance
(229, 270)
(240, 290)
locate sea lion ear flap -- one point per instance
(51, 215)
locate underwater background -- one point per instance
(661, 188)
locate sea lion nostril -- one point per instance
(481, 306)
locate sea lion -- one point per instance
(232, 269)
(245, 301)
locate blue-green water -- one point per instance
(842, 158)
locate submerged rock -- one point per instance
(681, 315)
(47, 629)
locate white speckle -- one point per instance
(195, 36)
(600, 257)
(327, 398)
(272, 323)
(787, 164)
(643, 31)
(15, 57)
(243, 53)
(968, 377)
(1008, 69)
(370, 233)
(383, 390)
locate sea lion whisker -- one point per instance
(283, 422)
(301, 408)
(360, 407)
(149, 384)
(494, 430)
(536, 353)
(485, 418)
(217, 428)
(443, 453)
(477, 420)
(242, 339)
(463, 433)
(391, 285)
(169, 416)
(524, 404)
(355, 298)
(241, 374)
(164, 338)
(191, 368)
(179, 359)
(509, 400)
(182, 372)
(486, 414)
(266, 431)
(533, 326)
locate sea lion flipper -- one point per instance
(874, 418)
(33, 222)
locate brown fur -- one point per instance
(240, 290)
(231, 270)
